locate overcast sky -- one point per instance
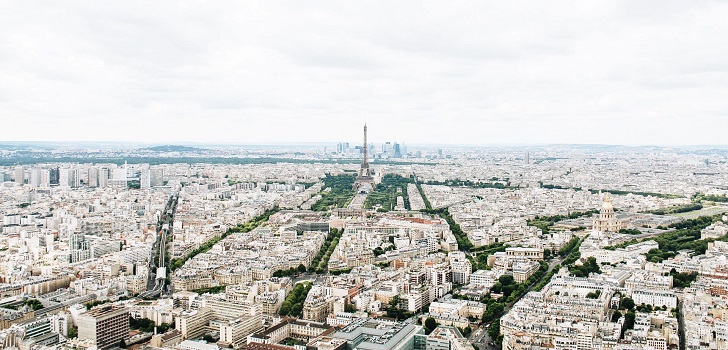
(630, 72)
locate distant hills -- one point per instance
(174, 148)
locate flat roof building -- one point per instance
(107, 326)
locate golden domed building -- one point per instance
(606, 220)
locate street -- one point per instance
(483, 340)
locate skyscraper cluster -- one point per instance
(42, 176)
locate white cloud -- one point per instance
(419, 72)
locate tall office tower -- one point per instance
(45, 178)
(145, 178)
(20, 175)
(35, 175)
(120, 177)
(93, 177)
(527, 158)
(106, 326)
(388, 150)
(75, 180)
(104, 177)
(397, 151)
(54, 179)
(64, 177)
(156, 177)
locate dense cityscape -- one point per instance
(363, 246)
(363, 175)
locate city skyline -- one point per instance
(602, 73)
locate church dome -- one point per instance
(607, 205)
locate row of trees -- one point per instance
(545, 222)
(684, 208)
(685, 237)
(210, 290)
(511, 291)
(626, 309)
(321, 261)
(571, 251)
(522, 288)
(464, 243)
(569, 247)
(293, 305)
(385, 193)
(630, 231)
(292, 271)
(243, 228)
(339, 190)
(638, 193)
(710, 198)
(481, 259)
(616, 192)
(494, 332)
(583, 270)
(428, 205)
(547, 278)
(147, 325)
(472, 184)
(553, 187)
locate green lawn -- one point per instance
(702, 212)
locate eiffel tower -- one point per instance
(364, 181)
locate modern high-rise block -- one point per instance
(93, 177)
(20, 175)
(107, 326)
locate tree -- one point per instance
(301, 268)
(494, 329)
(395, 311)
(293, 305)
(430, 325)
(467, 330)
(34, 304)
(594, 295)
(506, 279)
(492, 311)
(350, 308)
(626, 303)
(629, 320)
(72, 332)
(163, 328)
